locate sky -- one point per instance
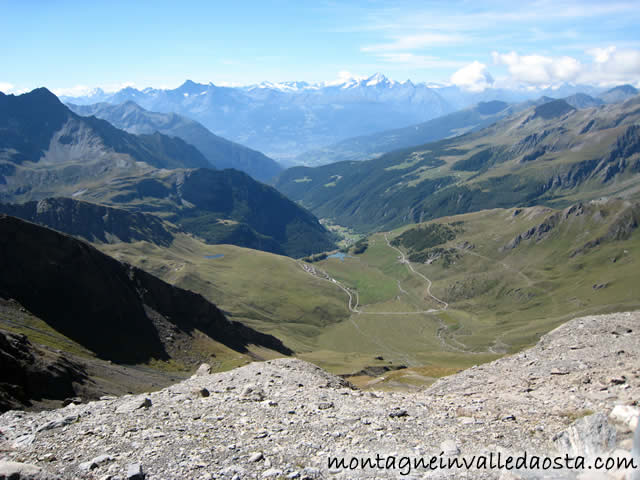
(73, 46)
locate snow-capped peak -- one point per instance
(281, 86)
(376, 79)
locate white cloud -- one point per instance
(609, 66)
(613, 66)
(539, 69)
(473, 77)
(345, 76)
(115, 87)
(76, 91)
(414, 42)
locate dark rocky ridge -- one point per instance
(95, 223)
(115, 310)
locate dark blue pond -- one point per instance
(217, 255)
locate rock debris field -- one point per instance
(576, 392)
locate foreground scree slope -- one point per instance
(285, 418)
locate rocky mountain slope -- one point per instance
(40, 139)
(220, 206)
(46, 148)
(573, 393)
(220, 152)
(48, 151)
(549, 154)
(31, 373)
(113, 310)
(36, 376)
(92, 222)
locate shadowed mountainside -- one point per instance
(117, 311)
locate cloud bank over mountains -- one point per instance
(609, 66)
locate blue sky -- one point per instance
(71, 46)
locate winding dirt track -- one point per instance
(354, 307)
(403, 259)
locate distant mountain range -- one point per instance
(48, 151)
(619, 94)
(451, 125)
(286, 119)
(549, 154)
(376, 144)
(220, 152)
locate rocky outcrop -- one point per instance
(621, 217)
(621, 227)
(538, 232)
(30, 373)
(286, 418)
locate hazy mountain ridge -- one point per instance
(284, 120)
(220, 152)
(453, 124)
(374, 145)
(541, 155)
(619, 94)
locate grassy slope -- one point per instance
(500, 300)
(268, 292)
